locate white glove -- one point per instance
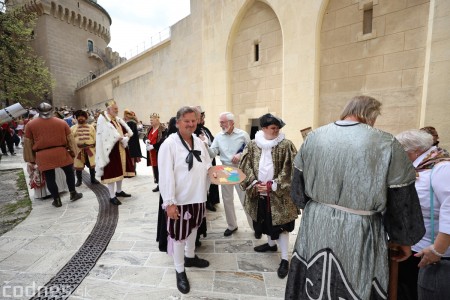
(124, 141)
(148, 146)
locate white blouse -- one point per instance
(177, 185)
(441, 185)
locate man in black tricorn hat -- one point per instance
(84, 135)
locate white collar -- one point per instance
(264, 143)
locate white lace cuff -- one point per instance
(274, 185)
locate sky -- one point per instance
(135, 23)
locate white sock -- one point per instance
(190, 244)
(178, 255)
(270, 241)
(111, 190)
(119, 186)
(283, 242)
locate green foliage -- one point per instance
(23, 75)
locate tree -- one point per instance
(23, 75)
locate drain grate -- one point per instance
(72, 274)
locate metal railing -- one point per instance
(109, 64)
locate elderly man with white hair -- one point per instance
(229, 144)
(426, 274)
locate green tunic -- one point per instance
(340, 253)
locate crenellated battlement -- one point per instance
(66, 12)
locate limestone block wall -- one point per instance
(324, 60)
(387, 63)
(222, 24)
(256, 74)
(196, 66)
(436, 101)
(161, 79)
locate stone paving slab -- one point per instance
(132, 267)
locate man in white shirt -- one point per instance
(183, 162)
(229, 144)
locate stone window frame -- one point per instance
(90, 42)
(256, 41)
(364, 5)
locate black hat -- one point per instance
(81, 113)
(269, 119)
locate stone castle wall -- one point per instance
(61, 37)
(313, 60)
(387, 63)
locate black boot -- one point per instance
(182, 282)
(156, 189)
(79, 178)
(57, 202)
(74, 196)
(283, 269)
(93, 180)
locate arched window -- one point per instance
(90, 46)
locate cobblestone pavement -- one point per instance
(132, 267)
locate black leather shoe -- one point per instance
(74, 196)
(229, 232)
(210, 207)
(115, 201)
(95, 181)
(78, 183)
(283, 269)
(182, 282)
(195, 262)
(57, 202)
(156, 189)
(258, 235)
(122, 194)
(265, 247)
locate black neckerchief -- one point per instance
(192, 153)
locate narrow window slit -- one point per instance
(367, 20)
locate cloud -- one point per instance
(135, 22)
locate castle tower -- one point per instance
(71, 36)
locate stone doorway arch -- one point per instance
(256, 65)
